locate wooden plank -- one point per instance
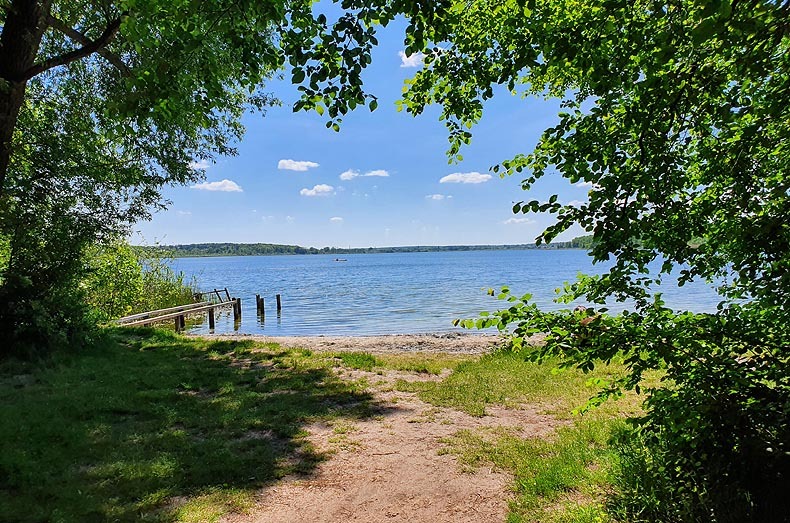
(160, 311)
(146, 321)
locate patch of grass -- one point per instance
(423, 363)
(212, 505)
(419, 363)
(506, 378)
(343, 427)
(152, 426)
(358, 360)
(560, 479)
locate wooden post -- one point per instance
(236, 311)
(218, 296)
(211, 318)
(227, 293)
(182, 320)
(258, 303)
(263, 306)
(279, 303)
(178, 324)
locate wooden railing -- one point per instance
(215, 292)
(179, 314)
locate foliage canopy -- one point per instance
(677, 116)
(101, 105)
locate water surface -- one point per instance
(372, 294)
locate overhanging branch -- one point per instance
(84, 40)
(87, 49)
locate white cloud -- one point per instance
(438, 197)
(336, 219)
(185, 213)
(351, 174)
(473, 177)
(199, 164)
(586, 184)
(222, 186)
(295, 165)
(523, 221)
(321, 189)
(576, 203)
(414, 60)
(289, 219)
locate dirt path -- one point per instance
(391, 468)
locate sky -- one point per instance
(383, 180)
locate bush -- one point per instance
(714, 443)
(41, 306)
(122, 280)
(713, 446)
(35, 324)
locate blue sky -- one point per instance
(383, 180)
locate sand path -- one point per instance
(391, 468)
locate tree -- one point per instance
(677, 114)
(179, 71)
(101, 105)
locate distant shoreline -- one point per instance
(204, 250)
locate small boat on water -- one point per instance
(340, 259)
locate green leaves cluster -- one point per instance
(120, 99)
(676, 115)
(119, 280)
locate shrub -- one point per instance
(122, 280)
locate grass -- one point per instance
(507, 378)
(561, 479)
(129, 430)
(358, 360)
(421, 363)
(152, 426)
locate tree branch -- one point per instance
(84, 40)
(91, 47)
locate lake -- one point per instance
(371, 294)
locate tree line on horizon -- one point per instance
(268, 249)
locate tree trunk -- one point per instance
(22, 32)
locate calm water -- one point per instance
(393, 293)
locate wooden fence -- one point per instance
(178, 314)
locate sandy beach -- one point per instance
(450, 343)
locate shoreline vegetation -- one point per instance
(198, 250)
